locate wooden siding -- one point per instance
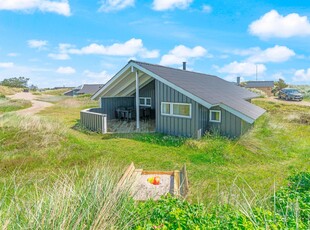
(93, 121)
(148, 91)
(230, 125)
(203, 119)
(110, 104)
(170, 125)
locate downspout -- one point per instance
(137, 102)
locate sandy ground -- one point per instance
(143, 190)
(275, 99)
(36, 107)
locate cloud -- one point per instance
(302, 75)
(242, 68)
(206, 9)
(274, 54)
(277, 76)
(66, 70)
(6, 64)
(162, 5)
(272, 24)
(39, 44)
(131, 47)
(60, 7)
(115, 5)
(101, 77)
(13, 54)
(59, 56)
(182, 53)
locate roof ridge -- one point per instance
(168, 67)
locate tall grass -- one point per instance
(9, 105)
(70, 202)
(4, 90)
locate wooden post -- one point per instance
(137, 102)
(104, 124)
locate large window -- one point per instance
(215, 116)
(145, 101)
(176, 109)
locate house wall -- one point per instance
(230, 125)
(176, 126)
(110, 104)
(148, 91)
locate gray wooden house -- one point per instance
(184, 103)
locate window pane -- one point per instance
(165, 108)
(148, 101)
(215, 116)
(181, 110)
(141, 101)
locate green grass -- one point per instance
(36, 150)
(277, 146)
(9, 105)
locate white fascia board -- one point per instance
(123, 70)
(186, 93)
(237, 113)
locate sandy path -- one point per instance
(36, 107)
(275, 99)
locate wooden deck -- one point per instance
(117, 126)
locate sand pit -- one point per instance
(143, 190)
(173, 182)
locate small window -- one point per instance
(165, 108)
(145, 101)
(176, 109)
(215, 116)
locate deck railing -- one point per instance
(94, 120)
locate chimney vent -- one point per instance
(238, 80)
(184, 65)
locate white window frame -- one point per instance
(171, 109)
(216, 111)
(145, 99)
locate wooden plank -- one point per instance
(157, 172)
(184, 188)
(176, 182)
(126, 175)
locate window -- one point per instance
(215, 116)
(145, 101)
(176, 109)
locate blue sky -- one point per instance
(71, 42)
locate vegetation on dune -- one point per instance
(4, 91)
(16, 82)
(34, 150)
(9, 105)
(304, 89)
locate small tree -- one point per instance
(33, 87)
(278, 85)
(20, 82)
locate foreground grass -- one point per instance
(276, 147)
(9, 105)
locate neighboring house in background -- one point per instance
(84, 89)
(185, 103)
(265, 86)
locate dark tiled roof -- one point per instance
(209, 88)
(90, 88)
(259, 84)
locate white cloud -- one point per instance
(302, 75)
(274, 54)
(131, 47)
(39, 44)
(246, 52)
(6, 64)
(115, 5)
(13, 54)
(242, 68)
(60, 7)
(59, 56)
(66, 70)
(206, 9)
(161, 5)
(182, 53)
(272, 24)
(101, 77)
